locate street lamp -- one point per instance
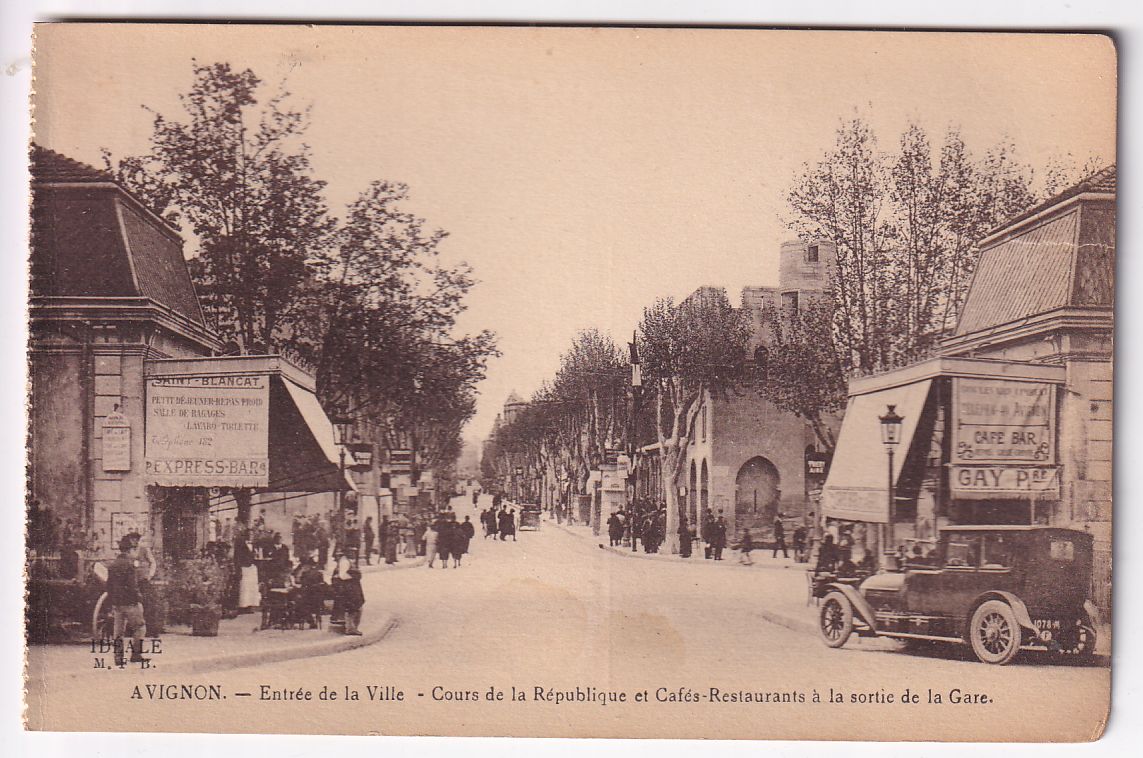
(341, 423)
(890, 436)
(632, 444)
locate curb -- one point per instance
(662, 558)
(375, 567)
(338, 644)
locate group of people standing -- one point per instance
(498, 521)
(447, 538)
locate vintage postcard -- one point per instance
(571, 382)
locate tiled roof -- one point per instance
(1021, 277)
(1060, 261)
(48, 166)
(93, 242)
(1103, 181)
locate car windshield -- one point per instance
(996, 552)
(960, 553)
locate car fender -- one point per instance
(860, 607)
(1022, 616)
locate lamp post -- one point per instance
(633, 431)
(341, 424)
(890, 437)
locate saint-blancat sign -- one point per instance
(208, 431)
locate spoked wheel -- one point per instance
(994, 632)
(835, 620)
(1078, 643)
(102, 622)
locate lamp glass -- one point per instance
(891, 427)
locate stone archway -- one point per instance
(756, 492)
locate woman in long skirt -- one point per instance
(431, 544)
(248, 593)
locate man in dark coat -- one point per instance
(684, 537)
(718, 537)
(126, 601)
(614, 529)
(779, 537)
(462, 534)
(507, 522)
(278, 562)
(369, 535)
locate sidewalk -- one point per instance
(786, 594)
(239, 643)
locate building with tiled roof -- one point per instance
(93, 238)
(1012, 423)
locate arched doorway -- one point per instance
(756, 491)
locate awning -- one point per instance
(304, 454)
(857, 486)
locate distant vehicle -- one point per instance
(530, 517)
(998, 589)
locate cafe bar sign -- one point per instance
(208, 431)
(1002, 421)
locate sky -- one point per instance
(584, 172)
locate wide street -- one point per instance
(554, 611)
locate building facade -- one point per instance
(1012, 424)
(748, 458)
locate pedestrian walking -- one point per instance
(718, 537)
(744, 548)
(780, 537)
(507, 522)
(431, 537)
(800, 534)
(392, 540)
(614, 529)
(706, 531)
(446, 538)
(461, 538)
(684, 538)
(352, 601)
(126, 601)
(369, 535)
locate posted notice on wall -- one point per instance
(208, 431)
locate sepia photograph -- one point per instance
(570, 381)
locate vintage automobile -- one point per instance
(530, 517)
(999, 589)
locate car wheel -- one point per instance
(994, 632)
(1078, 643)
(835, 619)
